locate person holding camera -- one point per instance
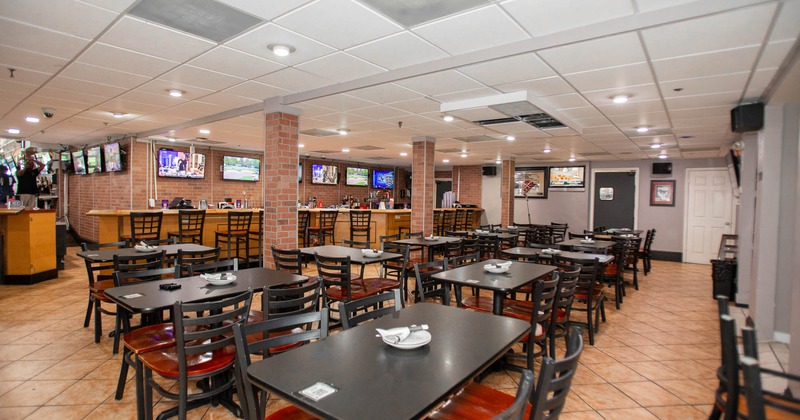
(26, 180)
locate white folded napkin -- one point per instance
(396, 335)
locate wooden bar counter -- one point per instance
(29, 245)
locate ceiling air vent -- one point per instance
(316, 132)
(540, 120)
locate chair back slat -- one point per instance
(289, 260)
(335, 272)
(280, 302)
(140, 262)
(145, 225)
(186, 258)
(355, 244)
(215, 267)
(555, 380)
(427, 287)
(124, 278)
(371, 307)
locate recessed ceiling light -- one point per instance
(510, 138)
(403, 154)
(175, 93)
(172, 139)
(572, 159)
(281, 50)
(345, 150)
(13, 131)
(547, 150)
(446, 160)
(662, 156)
(498, 161)
(655, 146)
(32, 119)
(118, 114)
(205, 131)
(642, 129)
(343, 131)
(620, 99)
(463, 155)
(301, 145)
(448, 118)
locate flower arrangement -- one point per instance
(527, 186)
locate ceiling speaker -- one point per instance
(662, 168)
(748, 117)
(489, 170)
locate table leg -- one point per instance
(497, 303)
(446, 297)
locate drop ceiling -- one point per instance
(386, 70)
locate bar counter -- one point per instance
(29, 245)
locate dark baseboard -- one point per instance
(30, 279)
(667, 256)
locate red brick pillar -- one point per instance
(280, 183)
(423, 185)
(507, 193)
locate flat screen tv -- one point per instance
(66, 161)
(78, 162)
(113, 157)
(358, 177)
(299, 173)
(382, 178)
(174, 164)
(235, 168)
(324, 174)
(94, 160)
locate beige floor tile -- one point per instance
(6, 386)
(627, 414)
(24, 369)
(648, 394)
(12, 352)
(626, 354)
(14, 413)
(575, 403)
(33, 393)
(63, 412)
(654, 370)
(592, 355)
(688, 390)
(615, 372)
(581, 415)
(603, 396)
(89, 391)
(77, 369)
(691, 369)
(679, 412)
(8, 337)
(113, 411)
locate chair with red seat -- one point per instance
(588, 293)
(98, 283)
(400, 269)
(204, 349)
(539, 316)
(368, 308)
(544, 401)
(427, 287)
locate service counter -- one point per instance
(29, 245)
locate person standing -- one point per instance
(6, 185)
(26, 180)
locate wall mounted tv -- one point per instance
(300, 173)
(324, 174)
(358, 177)
(66, 162)
(174, 164)
(236, 168)
(78, 162)
(113, 157)
(94, 160)
(382, 178)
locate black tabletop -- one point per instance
(473, 275)
(106, 255)
(597, 244)
(440, 240)
(194, 289)
(356, 257)
(487, 233)
(376, 381)
(527, 252)
(623, 231)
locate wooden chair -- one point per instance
(360, 225)
(460, 222)
(190, 226)
(144, 226)
(469, 219)
(488, 247)
(589, 295)
(427, 287)
(645, 254)
(303, 221)
(544, 401)
(438, 220)
(763, 403)
(416, 254)
(371, 307)
(215, 267)
(255, 238)
(98, 283)
(204, 348)
(559, 231)
(186, 258)
(256, 339)
(538, 312)
(452, 249)
(237, 231)
(326, 226)
(398, 269)
(448, 221)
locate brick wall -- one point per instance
(423, 185)
(332, 194)
(507, 192)
(467, 184)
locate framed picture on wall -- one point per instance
(567, 178)
(662, 193)
(536, 179)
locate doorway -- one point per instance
(614, 198)
(709, 213)
(441, 188)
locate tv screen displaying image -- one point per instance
(94, 160)
(382, 178)
(78, 163)
(174, 164)
(113, 158)
(300, 173)
(324, 174)
(236, 168)
(358, 177)
(66, 161)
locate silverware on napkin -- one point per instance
(396, 335)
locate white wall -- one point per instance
(490, 199)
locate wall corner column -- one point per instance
(507, 193)
(423, 184)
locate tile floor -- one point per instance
(654, 358)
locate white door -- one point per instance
(709, 213)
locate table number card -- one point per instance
(132, 296)
(318, 391)
(472, 281)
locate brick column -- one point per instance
(423, 184)
(280, 180)
(507, 193)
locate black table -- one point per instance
(473, 275)
(486, 233)
(597, 244)
(376, 381)
(428, 243)
(525, 252)
(195, 289)
(107, 255)
(623, 231)
(356, 257)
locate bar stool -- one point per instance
(327, 221)
(144, 226)
(469, 219)
(460, 220)
(448, 220)
(190, 226)
(303, 219)
(257, 234)
(438, 216)
(360, 224)
(238, 231)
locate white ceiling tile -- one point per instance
(399, 50)
(611, 51)
(294, 80)
(775, 53)
(705, 85)
(148, 97)
(256, 90)
(465, 95)
(226, 101)
(257, 41)
(65, 16)
(637, 93)
(786, 26)
(419, 106)
(103, 75)
(472, 31)
(717, 99)
(759, 83)
(315, 21)
(112, 5)
(155, 40)
(651, 5)
(718, 111)
(591, 122)
(509, 70)
(379, 112)
(160, 87)
(120, 59)
(340, 102)
(630, 121)
(19, 89)
(195, 76)
(440, 83)
(570, 100)
(340, 67)
(710, 64)
(39, 40)
(547, 86)
(632, 108)
(29, 76)
(74, 96)
(612, 78)
(132, 108)
(26, 60)
(606, 130)
(550, 16)
(372, 125)
(235, 63)
(693, 36)
(582, 112)
(385, 94)
(266, 10)
(476, 114)
(83, 86)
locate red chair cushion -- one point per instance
(476, 401)
(290, 413)
(478, 303)
(165, 361)
(150, 338)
